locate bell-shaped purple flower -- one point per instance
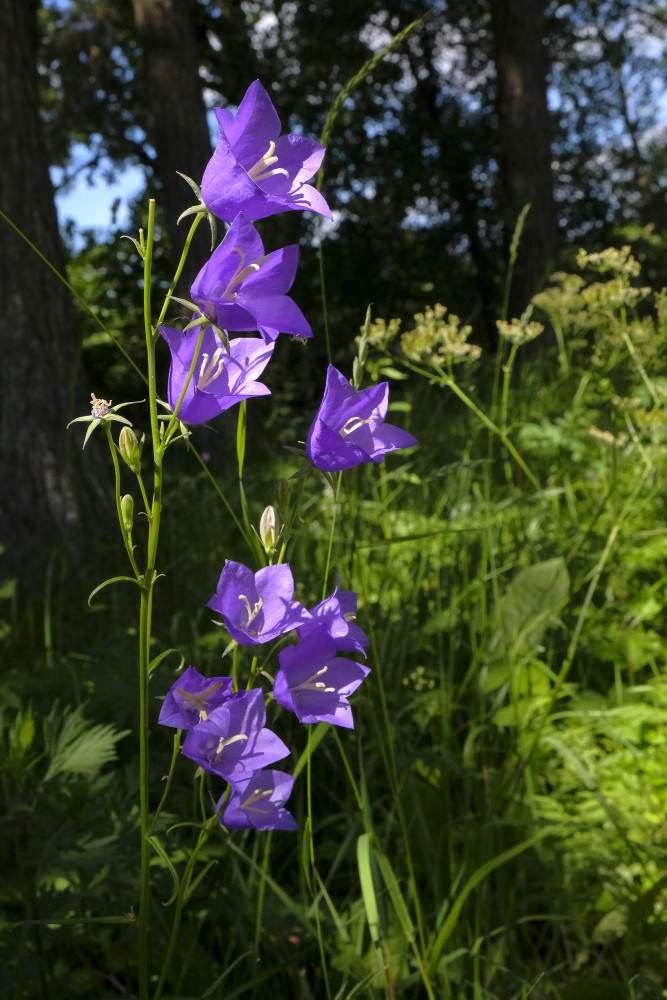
(258, 803)
(314, 683)
(233, 742)
(336, 616)
(255, 169)
(192, 698)
(242, 288)
(349, 427)
(257, 607)
(220, 379)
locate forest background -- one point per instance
(517, 771)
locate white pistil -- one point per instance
(241, 273)
(228, 742)
(352, 425)
(314, 685)
(199, 699)
(252, 611)
(211, 368)
(256, 798)
(264, 168)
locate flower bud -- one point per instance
(269, 530)
(130, 449)
(127, 511)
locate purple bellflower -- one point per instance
(314, 683)
(258, 803)
(257, 170)
(349, 427)
(233, 742)
(192, 698)
(336, 616)
(219, 380)
(257, 607)
(242, 288)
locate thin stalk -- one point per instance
(116, 469)
(184, 891)
(327, 565)
(145, 615)
(448, 381)
(188, 240)
(169, 778)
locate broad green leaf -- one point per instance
(535, 595)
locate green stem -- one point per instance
(188, 240)
(448, 380)
(116, 469)
(327, 566)
(184, 892)
(169, 778)
(146, 614)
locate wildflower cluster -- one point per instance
(243, 289)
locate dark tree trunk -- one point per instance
(524, 141)
(38, 330)
(176, 112)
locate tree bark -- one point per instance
(38, 330)
(176, 113)
(524, 141)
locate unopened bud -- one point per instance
(269, 530)
(130, 449)
(127, 512)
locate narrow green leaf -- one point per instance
(107, 583)
(157, 660)
(394, 890)
(154, 841)
(478, 876)
(195, 882)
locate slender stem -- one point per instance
(184, 892)
(448, 381)
(169, 778)
(116, 469)
(331, 535)
(188, 240)
(145, 616)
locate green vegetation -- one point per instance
(495, 826)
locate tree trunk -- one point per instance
(524, 141)
(38, 330)
(176, 112)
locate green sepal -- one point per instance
(193, 184)
(107, 583)
(95, 422)
(187, 304)
(141, 250)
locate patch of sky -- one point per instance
(99, 200)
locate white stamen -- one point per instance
(199, 699)
(228, 742)
(311, 684)
(211, 368)
(264, 168)
(256, 797)
(252, 612)
(352, 425)
(241, 273)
